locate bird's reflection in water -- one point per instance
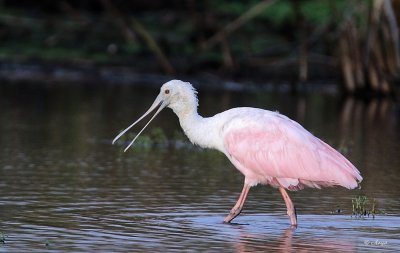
(290, 240)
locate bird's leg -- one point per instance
(237, 209)
(291, 210)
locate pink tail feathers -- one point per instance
(351, 180)
(336, 170)
(343, 172)
(353, 177)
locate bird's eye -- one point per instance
(166, 91)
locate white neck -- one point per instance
(200, 131)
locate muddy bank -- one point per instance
(84, 72)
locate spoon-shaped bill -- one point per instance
(157, 102)
(155, 114)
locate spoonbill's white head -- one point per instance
(175, 94)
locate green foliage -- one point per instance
(2, 237)
(179, 136)
(180, 33)
(343, 149)
(363, 207)
(143, 141)
(278, 13)
(231, 8)
(155, 137)
(316, 11)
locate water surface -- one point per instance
(64, 187)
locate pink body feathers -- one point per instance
(269, 148)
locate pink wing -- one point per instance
(272, 149)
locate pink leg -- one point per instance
(239, 205)
(291, 211)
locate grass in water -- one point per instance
(364, 207)
(2, 238)
(155, 137)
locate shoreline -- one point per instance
(83, 72)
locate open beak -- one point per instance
(158, 102)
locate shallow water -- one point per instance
(64, 187)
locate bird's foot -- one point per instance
(232, 215)
(229, 218)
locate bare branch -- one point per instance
(140, 30)
(237, 23)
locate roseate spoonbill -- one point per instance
(266, 147)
